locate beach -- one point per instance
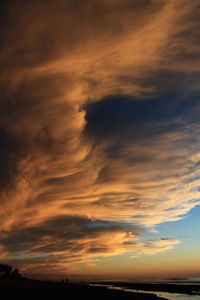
(35, 289)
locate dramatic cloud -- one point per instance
(99, 127)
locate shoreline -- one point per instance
(36, 289)
(189, 289)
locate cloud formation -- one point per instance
(99, 127)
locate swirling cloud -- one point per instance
(98, 127)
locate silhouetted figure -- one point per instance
(65, 281)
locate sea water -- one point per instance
(166, 295)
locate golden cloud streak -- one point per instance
(67, 57)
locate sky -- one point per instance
(99, 137)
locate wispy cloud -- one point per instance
(99, 126)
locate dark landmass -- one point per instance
(13, 286)
(35, 289)
(189, 289)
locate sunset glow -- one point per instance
(100, 137)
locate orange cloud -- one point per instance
(67, 57)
